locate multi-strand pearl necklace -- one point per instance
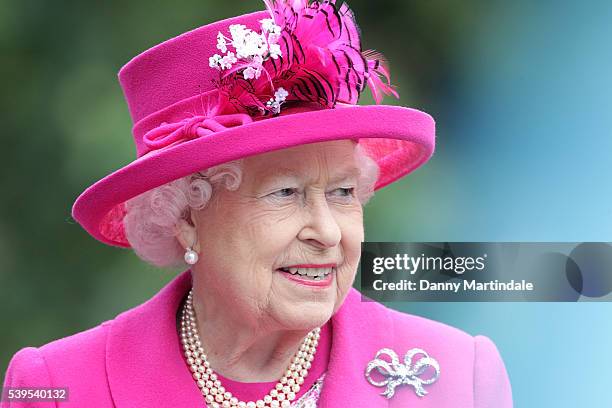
(215, 394)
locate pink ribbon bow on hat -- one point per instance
(168, 134)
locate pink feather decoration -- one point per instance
(321, 61)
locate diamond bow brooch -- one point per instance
(409, 373)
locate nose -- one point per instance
(320, 228)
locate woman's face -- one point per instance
(293, 207)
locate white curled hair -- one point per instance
(152, 216)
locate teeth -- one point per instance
(309, 272)
(312, 272)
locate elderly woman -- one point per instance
(254, 164)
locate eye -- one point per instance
(284, 192)
(345, 191)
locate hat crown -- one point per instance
(176, 69)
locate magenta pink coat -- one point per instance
(135, 360)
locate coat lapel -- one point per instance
(356, 339)
(145, 366)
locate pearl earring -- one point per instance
(191, 256)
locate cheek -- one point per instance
(351, 225)
(352, 237)
(272, 220)
(231, 237)
(268, 235)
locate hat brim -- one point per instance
(399, 139)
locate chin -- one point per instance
(300, 319)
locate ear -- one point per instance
(186, 233)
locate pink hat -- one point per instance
(259, 82)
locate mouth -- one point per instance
(309, 276)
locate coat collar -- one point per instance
(145, 365)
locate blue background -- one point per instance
(523, 154)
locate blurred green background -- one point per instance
(521, 95)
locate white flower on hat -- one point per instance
(252, 73)
(281, 94)
(238, 31)
(268, 26)
(275, 103)
(228, 60)
(251, 47)
(214, 61)
(221, 44)
(275, 50)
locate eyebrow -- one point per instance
(345, 174)
(288, 172)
